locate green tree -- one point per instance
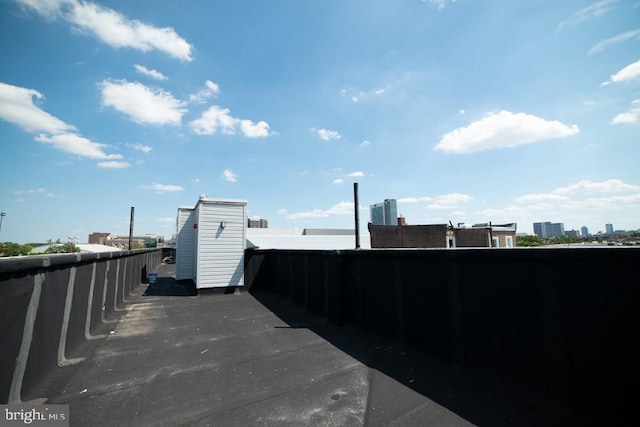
(563, 240)
(529, 241)
(14, 249)
(63, 249)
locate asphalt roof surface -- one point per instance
(181, 358)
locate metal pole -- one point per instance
(357, 213)
(2, 215)
(131, 228)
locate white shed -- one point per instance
(211, 242)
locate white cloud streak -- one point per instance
(441, 202)
(341, 208)
(630, 72)
(162, 188)
(113, 28)
(78, 145)
(154, 74)
(440, 4)
(142, 104)
(503, 129)
(629, 117)
(594, 10)
(144, 148)
(356, 95)
(17, 107)
(620, 38)
(114, 165)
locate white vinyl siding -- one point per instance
(185, 244)
(220, 254)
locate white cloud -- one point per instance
(78, 145)
(144, 148)
(326, 134)
(161, 188)
(578, 202)
(228, 175)
(620, 38)
(113, 28)
(47, 8)
(631, 116)
(449, 201)
(630, 72)
(215, 118)
(594, 10)
(17, 107)
(254, 130)
(440, 4)
(356, 174)
(341, 208)
(338, 181)
(210, 90)
(141, 103)
(414, 199)
(540, 198)
(589, 187)
(154, 74)
(365, 143)
(357, 95)
(114, 165)
(212, 119)
(503, 129)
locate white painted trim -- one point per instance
(87, 322)
(62, 344)
(104, 296)
(15, 392)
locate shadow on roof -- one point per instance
(168, 287)
(425, 383)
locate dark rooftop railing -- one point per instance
(558, 322)
(53, 307)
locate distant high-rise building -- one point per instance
(609, 228)
(547, 230)
(584, 231)
(385, 213)
(557, 229)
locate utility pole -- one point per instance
(131, 228)
(2, 215)
(357, 213)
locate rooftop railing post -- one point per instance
(131, 228)
(356, 213)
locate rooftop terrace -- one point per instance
(178, 358)
(170, 355)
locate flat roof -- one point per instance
(241, 359)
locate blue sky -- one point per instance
(464, 111)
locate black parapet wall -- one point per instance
(52, 308)
(562, 322)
